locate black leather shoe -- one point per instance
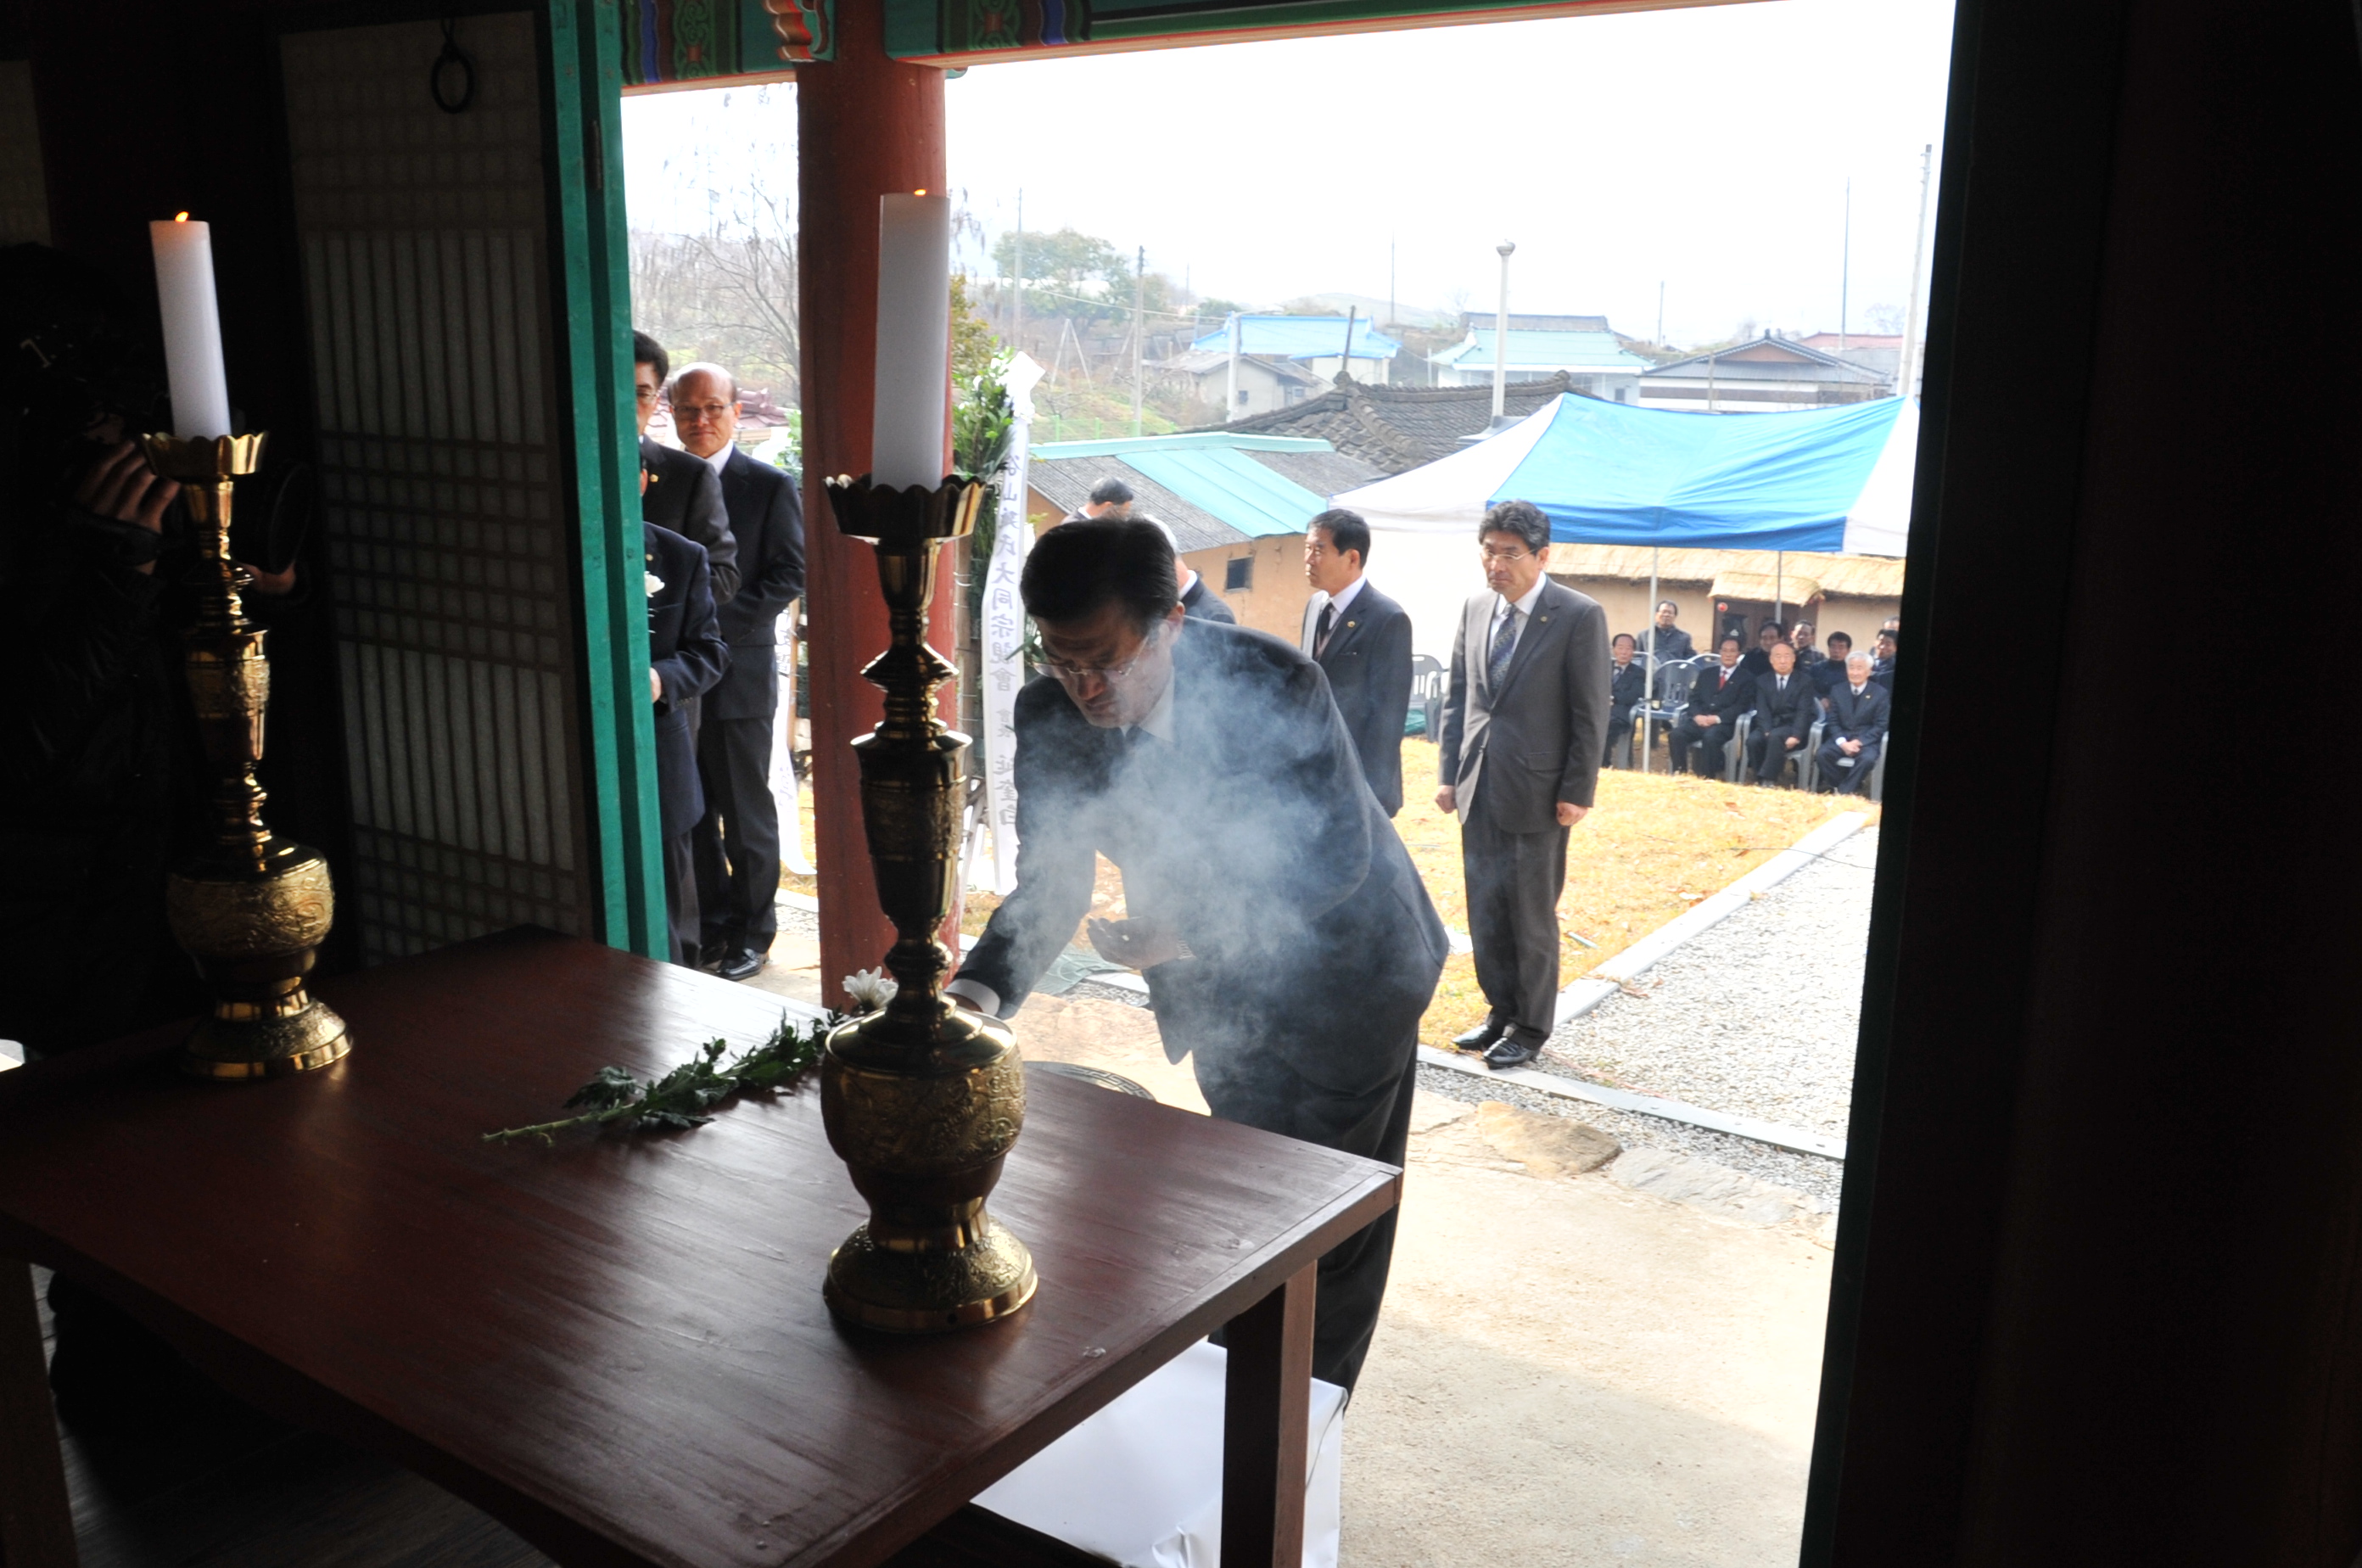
(741, 964)
(1507, 1052)
(1481, 1036)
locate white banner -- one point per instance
(1003, 639)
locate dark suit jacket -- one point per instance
(1861, 718)
(767, 519)
(1252, 829)
(1828, 675)
(686, 649)
(684, 494)
(1627, 689)
(1784, 714)
(1671, 646)
(1368, 664)
(1543, 732)
(1710, 693)
(1202, 603)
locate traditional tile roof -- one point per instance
(1226, 503)
(1538, 349)
(1398, 428)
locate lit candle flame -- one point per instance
(918, 193)
(179, 217)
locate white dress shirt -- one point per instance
(721, 456)
(1337, 605)
(1157, 725)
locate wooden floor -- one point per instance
(239, 1489)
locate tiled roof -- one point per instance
(1398, 428)
(1240, 493)
(1555, 350)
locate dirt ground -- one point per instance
(1568, 1371)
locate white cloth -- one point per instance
(1141, 1481)
(721, 457)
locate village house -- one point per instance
(1583, 348)
(1769, 375)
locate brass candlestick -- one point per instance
(922, 1100)
(250, 908)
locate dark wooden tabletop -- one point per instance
(618, 1345)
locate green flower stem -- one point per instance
(681, 1096)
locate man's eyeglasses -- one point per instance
(647, 396)
(1076, 674)
(699, 413)
(1507, 556)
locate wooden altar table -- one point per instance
(617, 1346)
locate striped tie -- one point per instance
(1505, 643)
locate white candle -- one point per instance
(914, 315)
(192, 347)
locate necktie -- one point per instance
(1505, 643)
(1320, 632)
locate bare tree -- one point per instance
(729, 293)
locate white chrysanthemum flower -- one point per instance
(655, 585)
(873, 988)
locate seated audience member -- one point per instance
(1800, 637)
(1673, 642)
(1858, 711)
(1881, 668)
(1720, 695)
(1831, 670)
(1627, 686)
(1758, 662)
(1109, 498)
(1786, 707)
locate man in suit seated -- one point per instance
(1758, 660)
(1361, 640)
(678, 490)
(1800, 637)
(1288, 946)
(685, 657)
(1716, 699)
(1628, 682)
(1858, 714)
(1827, 674)
(1786, 708)
(1672, 642)
(737, 842)
(1525, 722)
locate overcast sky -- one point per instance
(1705, 149)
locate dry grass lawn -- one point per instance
(1651, 847)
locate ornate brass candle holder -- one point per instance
(250, 908)
(922, 1100)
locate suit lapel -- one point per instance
(1538, 625)
(1347, 628)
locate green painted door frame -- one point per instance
(592, 278)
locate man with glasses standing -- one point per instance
(737, 840)
(1525, 725)
(1287, 943)
(676, 490)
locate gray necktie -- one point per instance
(1505, 643)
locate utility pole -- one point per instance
(1906, 378)
(1345, 365)
(1017, 314)
(1394, 316)
(1845, 265)
(1231, 381)
(1139, 323)
(1501, 334)
(1661, 329)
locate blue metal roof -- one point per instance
(1211, 470)
(1301, 338)
(1544, 351)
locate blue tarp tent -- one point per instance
(1607, 473)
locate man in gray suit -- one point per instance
(1524, 726)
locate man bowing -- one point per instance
(1286, 941)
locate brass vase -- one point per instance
(922, 1100)
(250, 908)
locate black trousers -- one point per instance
(737, 842)
(1709, 740)
(680, 896)
(1514, 882)
(1851, 780)
(1766, 755)
(1258, 1089)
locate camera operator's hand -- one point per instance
(270, 584)
(122, 486)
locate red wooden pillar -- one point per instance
(866, 126)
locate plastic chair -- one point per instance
(1429, 681)
(1673, 682)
